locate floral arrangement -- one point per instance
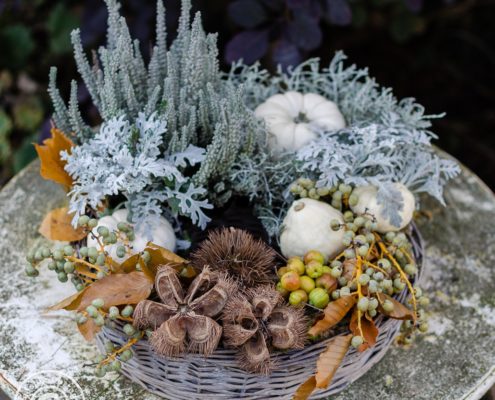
(322, 164)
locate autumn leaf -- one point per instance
(333, 314)
(330, 359)
(305, 390)
(52, 166)
(89, 329)
(70, 303)
(400, 311)
(118, 289)
(129, 264)
(161, 256)
(57, 225)
(370, 331)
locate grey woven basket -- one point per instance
(194, 377)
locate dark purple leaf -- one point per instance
(248, 46)
(339, 12)
(414, 6)
(274, 5)
(295, 4)
(304, 32)
(247, 13)
(286, 54)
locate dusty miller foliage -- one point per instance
(182, 88)
(179, 136)
(386, 140)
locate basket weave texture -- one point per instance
(194, 377)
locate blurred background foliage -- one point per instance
(440, 51)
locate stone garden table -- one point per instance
(455, 360)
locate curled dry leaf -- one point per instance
(89, 329)
(118, 289)
(114, 289)
(159, 256)
(333, 314)
(57, 225)
(370, 331)
(52, 166)
(330, 359)
(400, 311)
(305, 390)
(70, 303)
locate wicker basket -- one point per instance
(194, 377)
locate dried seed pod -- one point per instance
(254, 355)
(203, 334)
(213, 301)
(169, 339)
(239, 322)
(288, 327)
(150, 314)
(264, 299)
(237, 253)
(168, 286)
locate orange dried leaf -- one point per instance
(329, 361)
(118, 289)
(161, 256)
(129, 264)
(333, 314)
(52, 166)
(70, 303)
(89, 329)
(370, 331)
(305, 390)
(400, 311)
(57, 225)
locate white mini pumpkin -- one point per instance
(162, 233)
(290, 116)
(368, 203)
(307, 227)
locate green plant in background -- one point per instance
(33, 35)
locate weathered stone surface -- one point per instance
(455, 360)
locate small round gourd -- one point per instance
(162, 233)
(368, 204)
(307, 227)
(292, 119)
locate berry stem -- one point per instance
(128, 345)
(402, 274)
(359, 263)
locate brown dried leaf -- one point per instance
(329, 361)
(305, 390)
(370, 331)
(333, 314)
(57, 225)
(70, 303)
(52, 166)
(89, 329)
(129, 264)
(118, 289)
(400, 311)
(161, 256)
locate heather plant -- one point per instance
(182, 92)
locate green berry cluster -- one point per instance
(65, 259)
(113, 359)
(339, 196)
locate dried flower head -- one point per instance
(257, 320)
(183, 321)
(237, 253)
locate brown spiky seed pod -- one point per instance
(288, 327)
(239, 254)
(257, 319)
